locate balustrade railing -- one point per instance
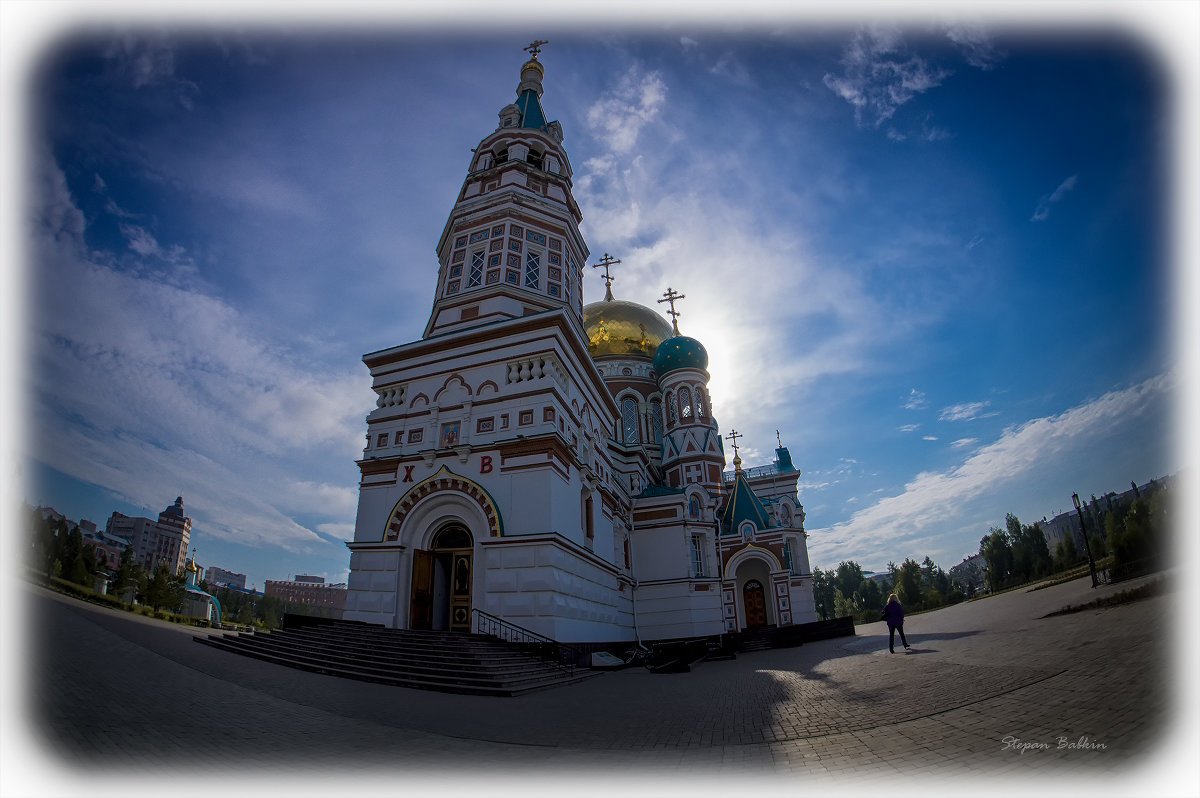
(561, 655)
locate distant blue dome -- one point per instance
(680, 352)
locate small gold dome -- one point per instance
(617, 327)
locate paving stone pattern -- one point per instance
(112, 693)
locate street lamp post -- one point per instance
(1086, 545)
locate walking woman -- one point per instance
(893, 613)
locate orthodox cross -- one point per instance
(733, 436)
(671, 297)
(606, 261)
(535, 48)
(778, 439)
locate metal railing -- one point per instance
(561, 655)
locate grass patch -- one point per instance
(1155, 588)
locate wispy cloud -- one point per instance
(1042, 212)
(879, 75)
(154, 390)
(148, 62)
(976, 45)
(621, 113)
(965, 412)
(910, 427)
(649, 212)
(962, 443)
(929, 437)
(916, 400)
(936, 503)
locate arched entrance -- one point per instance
(755, 602)
(441, 582)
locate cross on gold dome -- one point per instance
(535, 48)
(606, 261)
(671, 297)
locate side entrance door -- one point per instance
(756, 608)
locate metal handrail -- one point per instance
(561, 655)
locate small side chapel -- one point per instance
(552, 464)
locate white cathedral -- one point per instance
(554, 465)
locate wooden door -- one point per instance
(460, 592)
(420, 608)
(756, 607)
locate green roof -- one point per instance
(743, 506)
(532, 115)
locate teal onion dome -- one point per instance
(680, 352)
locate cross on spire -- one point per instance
(606, 261)
(778, 439)
(671, 297)
(534, 48)
(733, 436)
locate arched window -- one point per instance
(656, 420)
(534, 158)
(629, 420)
(670, 410)
(502, 156)
(685, 403)
(452, 537)
(700, 403)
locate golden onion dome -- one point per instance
(620, 328)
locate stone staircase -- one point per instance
(759, 639)
(449, 662)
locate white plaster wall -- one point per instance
(661, 554)
(804, 606)
(554, 592)
(374, 507)
(673, 610)
(374, 586)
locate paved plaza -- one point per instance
(991, 695)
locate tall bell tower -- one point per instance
(511, 245)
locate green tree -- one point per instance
(1065, 553)
(844, 606)
(270, 611)
(129, 572)
(998, 557)
(163, 589)
(848, 577)
(823, 593)
(908, 584)
(872, 597)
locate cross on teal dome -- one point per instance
(680, 352)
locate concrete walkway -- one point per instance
(991, 695)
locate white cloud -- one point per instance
(649, 213)
(963, 443)
(929, 437)
(916, 400)
(879, 76)
(937, 504)
(976, 45)
(1042, 212)
(730, 68)
(620, 114)
(910, 427)
(153, 391)
(964, 412)
(148, 62)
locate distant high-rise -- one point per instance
(219, 577)
(165, 540)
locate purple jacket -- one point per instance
(894, 614)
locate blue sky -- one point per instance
(936, 256)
